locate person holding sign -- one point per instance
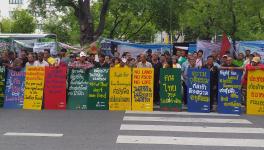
(82, 63)
(144, 63)
(213, 79)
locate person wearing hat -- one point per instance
(64, 60)
(81, 63)
(255, 64)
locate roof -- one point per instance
(27, 36)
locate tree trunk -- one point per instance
(86, 22)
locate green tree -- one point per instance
(82, 11)
(21, 22)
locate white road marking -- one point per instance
(176, 119)
(180, 113)
(190, 141)
(135, 127)
(33, 134)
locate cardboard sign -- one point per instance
(198, 90)
(14, 91)
(142, 89)
(255, 92)
(78, 89)
(2, 85)
(170, 90)
(34, 86)
(120, 89)
(229, 91)
(98, 91)
(55, 88)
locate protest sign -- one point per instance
(55, 88)
(34, 86)
(170, 89)
(255, 92)
(14, 91)
(40, 47)
(229, 91)
(78, 89)
(120, 89)
(142, 89)
(98, 91)
(2, 85)
(198, 90)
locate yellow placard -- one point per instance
(142, 89)
(255, 92)
(120, 89)
(34, 85)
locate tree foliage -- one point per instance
(20, 22)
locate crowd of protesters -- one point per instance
(181, 60)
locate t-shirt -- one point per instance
(144, 65)
(30, 64)
(41, 64)
(182, 60)
(238, 63)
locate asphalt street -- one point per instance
(106, 130)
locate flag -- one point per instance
(225, 45)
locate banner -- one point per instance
(229, 91)
(170, 89)
(14, 91)
(2, 85)
(198, 90)
(34, 86)
(78, 89)
(255, 92)
(142, 89)
(98, 91)
(55, 88)
(40, 47)
(120, 89)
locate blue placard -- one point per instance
(198, 90)
(14, 92)
(229, 91)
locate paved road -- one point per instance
(104, 130)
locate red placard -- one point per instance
(55, 88)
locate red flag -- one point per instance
(225, 45)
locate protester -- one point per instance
(41, 62)
(199, 60)
(149, 55)
(213, 79)
(48, 58)
(23, 57)
(182, 58)
(157, 66)
(175, 62)
(144, 63)
(248, 60)
(64, 60)
(228, 63)
(239, 61)
(31, 61)
(82, 63)
(214, 54)
(191, 62)
(102, 63)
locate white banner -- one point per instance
(39, 47)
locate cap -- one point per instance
(256, 59)
(124, 60)
(82, 54)
(224, 56)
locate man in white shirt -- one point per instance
(144, 63)
(41, 62)
(30, 60)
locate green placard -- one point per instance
(98, 91)
(170, 90)
(78, 88)
(2, 85)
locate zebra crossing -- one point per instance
(189, 129)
